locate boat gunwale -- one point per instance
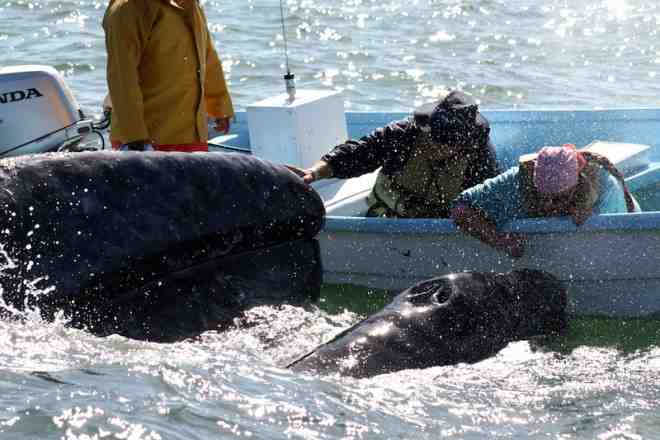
(626, 222)
(523, 115)
(515, 115)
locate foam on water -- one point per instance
(601, 381)
(60, 382)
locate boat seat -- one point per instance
(346, 197)
(628, 158)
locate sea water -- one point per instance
(601, 381)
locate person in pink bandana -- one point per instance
(558, 181)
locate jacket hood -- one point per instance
(453, 119)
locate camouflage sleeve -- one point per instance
(385, 145)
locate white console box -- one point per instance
(297, 132)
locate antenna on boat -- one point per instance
(289, 78)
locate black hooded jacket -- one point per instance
(392, 146)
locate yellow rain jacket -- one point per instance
(163, 72)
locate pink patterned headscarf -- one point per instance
(557, 169)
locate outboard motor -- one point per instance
(38, 112)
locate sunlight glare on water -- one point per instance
(601, 381)
(224, 385)
(386, 55)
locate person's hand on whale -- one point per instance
(320, 170)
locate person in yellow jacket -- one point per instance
(164, 76)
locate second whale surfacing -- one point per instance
(464, 317)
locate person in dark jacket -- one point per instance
(426, 159)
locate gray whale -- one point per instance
(123, 237)
(464, 317)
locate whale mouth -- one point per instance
(211, 295)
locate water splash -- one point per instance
(30, 294)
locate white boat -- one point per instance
(611, 264)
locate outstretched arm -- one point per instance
(357, 157)
(389, 144)
(476, 224)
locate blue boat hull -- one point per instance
(611, 264)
